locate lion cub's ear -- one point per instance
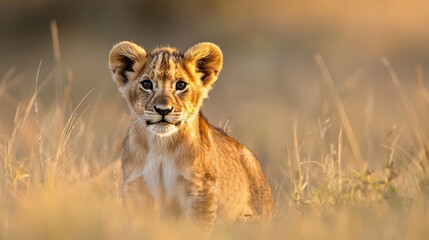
(206, 59)
(126, 59)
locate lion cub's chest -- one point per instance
(161, 174)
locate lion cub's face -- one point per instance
(164, 88)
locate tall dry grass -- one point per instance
(60, 174)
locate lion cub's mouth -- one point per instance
(162, 122)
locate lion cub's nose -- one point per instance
(163, 111)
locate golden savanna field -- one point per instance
(332, 96)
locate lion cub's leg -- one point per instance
(201, 202)
(136, 198)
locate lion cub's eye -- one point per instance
(180, 85)
(146, 85)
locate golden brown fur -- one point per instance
(173, 160)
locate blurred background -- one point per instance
(270, 75)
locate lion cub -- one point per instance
(173, 160)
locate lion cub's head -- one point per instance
(165, 88)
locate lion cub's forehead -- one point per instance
(164, 63)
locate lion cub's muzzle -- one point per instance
(166, 116)
(163, 113)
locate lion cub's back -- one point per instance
(244, 191)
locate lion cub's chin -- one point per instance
(163, 129)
